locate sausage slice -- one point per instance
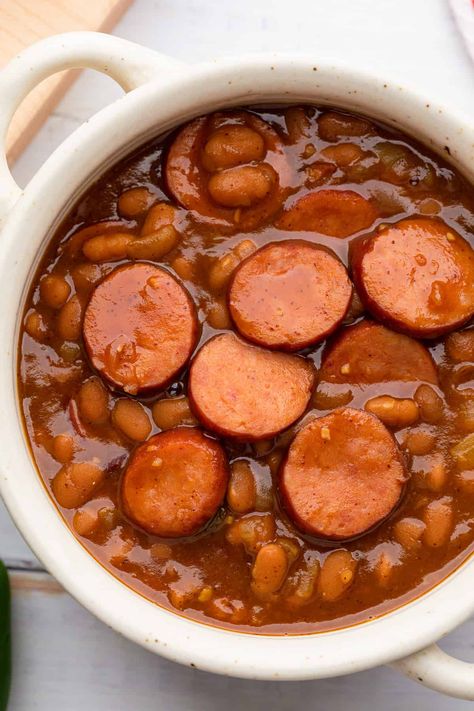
(371, 353)
(229, 167)
(242, 391)
(342, 476)
(140, 327)
(289, 294)
(336, 213)
(416, 275)
(175, 482)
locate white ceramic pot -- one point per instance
(162, 93)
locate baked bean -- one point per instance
(68, 323)
(230, 146)
(132, 419)
(408, 532)
(245, 248)
(460, 346)
(221, 271)
(430, 404)
(333, 126)
(86, 275)
(463, 452)
(328, 396)
(253, 532)
(172, 412)
(160, 215)
(62, 448)
(223, 267)
(436, 475)
(384, 568)
(76, 241)
(264, 500)
(337, 575)
(108, 518)
(393, 411)
(35, 326)
(134, 202)
(465, 481)
(54, 291)
(269, 570)
(291, 548)
(85, 522)
(183, 268)
(155, 244)
(75, 483)
(107, 248)
(438, 518)
(429, 207)
(305, 583)
(217, 315)
(297, 124)
(420, 441)
(241, 491)
(243, 186)
(343, 154)
(318, 172)
(93, 402)
(274, 460)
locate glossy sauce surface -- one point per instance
(220, 575)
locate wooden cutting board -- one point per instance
(23, 22)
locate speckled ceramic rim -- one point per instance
(162, 94)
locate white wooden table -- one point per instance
(66, 660)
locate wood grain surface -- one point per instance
(23, 22)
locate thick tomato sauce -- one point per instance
(198, 204)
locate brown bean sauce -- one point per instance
(208, 577)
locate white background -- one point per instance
(64, 659)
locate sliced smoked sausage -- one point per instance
(228, 167)
(342, 476)
(369, 353)
(175, 482)
(140, 327)
(416, 275)
(289, 294)
(243, 391)
(336, 213)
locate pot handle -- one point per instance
(130, 64)
(439, 671)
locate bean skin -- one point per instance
(75, 483)
(269, 570)
(93, 402)
(337, 575)
(241, 491)
(172, 412)
(54, 291)
(131, 418)
(241, 187)
(393, 411)
(230, 146)
(135, 202)
(438, 518)
(69, 321)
